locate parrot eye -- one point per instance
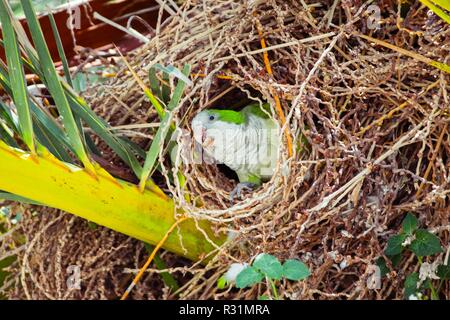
(211, 118)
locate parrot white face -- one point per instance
(214, 134)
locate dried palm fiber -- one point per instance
(62, 248)
(375, 121)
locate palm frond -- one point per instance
(17, 78)
(61, 143)
(53, 83)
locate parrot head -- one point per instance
(211, 126)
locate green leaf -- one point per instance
(102, 129)
(263, 298)
(443, 271)
(425, 244)
(6, 136)
(55, 138)
(60, 47)
(162, 132)
(411, 282)
(248, 277)
(17, 77)
(50, 133)
(171, 70)
(50, 142)
(154, 83)
(396, 260)
(153, 152)
(54, 85)
(165, 90)
(394, 245)
(409, 224)
(381, 263)
(147, 91)
(269, 266)
(221, 282)
(5, 115)
(295, 270)
(179, 89)
(132, 146)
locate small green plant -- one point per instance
(268, 267)
(421, 243)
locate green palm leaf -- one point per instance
(17, 77)
(55, 87)
(163, 129)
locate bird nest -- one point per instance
(375, 122)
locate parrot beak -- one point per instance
(199, 133)
(203, 135)
(208, 143)
(205, 140)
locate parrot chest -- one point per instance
(249, 149)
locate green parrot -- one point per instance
(246, 141)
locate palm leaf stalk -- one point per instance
(106, 200)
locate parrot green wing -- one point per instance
(257, 110)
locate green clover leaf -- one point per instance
(248, 277)
(425, 244)
(295, 270)
(394, 245)
(409, 224)
(269, 266)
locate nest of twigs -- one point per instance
(376, 122)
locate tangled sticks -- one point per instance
(375, 121)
